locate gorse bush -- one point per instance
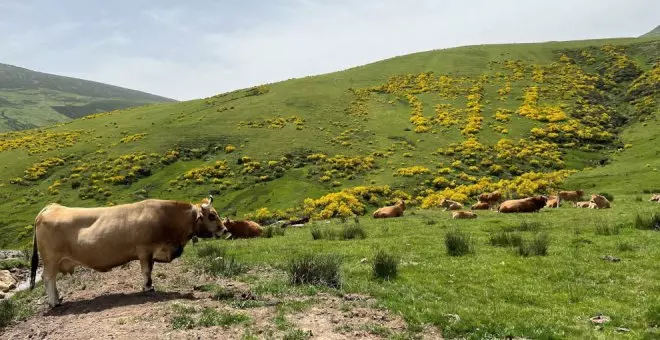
(535, 247)
(385, 265)
(650, 222)
(458, 243)
(506, 239)
(315, 269)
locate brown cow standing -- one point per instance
(572, 196)
(450, 205)
(480, 206)
(463, 214)
(391, 211)
(242, 229)
(103, 238)
(600, 201)
(529, 204)
(492, 199)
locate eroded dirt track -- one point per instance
(111, 306)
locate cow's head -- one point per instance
(208, 221)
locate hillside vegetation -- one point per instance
(29, 99)
(440, 124)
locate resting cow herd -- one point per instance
(157, 230)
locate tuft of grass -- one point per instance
(604, 228)
(385, 266)
(505, 239)
(458, 243)
(607, 195)
(317, 234)
(212, 259)
(639, 199)
(211, 317)
(296, 334)
(315, 269)
(8, 311)
(536, 247)
(181, 318)
(350, 232)
(651, 222)
(377, 330)
(272, 230)
(653, 316)
(625, 246)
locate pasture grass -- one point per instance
(212, 317)
(13, 263)
(495, 292)
(211, 258)
(270, 231)
(537, 246)
(385, 265)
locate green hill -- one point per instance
(654, 33)
(29, 99)
(440, 124)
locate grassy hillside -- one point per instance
(30, 99)
(448, 123)
(654, 33)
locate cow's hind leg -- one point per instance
(50, 277)
(147, 265)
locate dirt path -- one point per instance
(110, 306)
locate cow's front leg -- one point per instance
(147, 265)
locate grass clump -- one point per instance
(8, 311)
(13, 263)
(606, 229)
(625, 246)
(385, 266)
(505, 239)
(653, 316)
(651, 222)
(272, 230)
(607, 195)
(211, 317)
(535, 247)
(211, 258)
(350, 232)
(296, 334)
(315, 269)
(182, 318)
(458, 243)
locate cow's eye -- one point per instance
(212, 217)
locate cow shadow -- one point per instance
(115, 300)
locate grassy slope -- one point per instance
(29, 98)
(319, 100)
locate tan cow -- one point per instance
(242, 229)
(104, 238)
(585, 204)
(572, 196)
(463, 214)
(450, 205)
(655, 198)
(480, 206)
(395, 210)
(492, 199)
(553, 202)
(600, 201)
(529, 204)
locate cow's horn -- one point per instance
(210, 199)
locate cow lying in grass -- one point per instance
(242, 229)
(529, 204)
(463, 215)
(480, 206)
(450, 205)
(600, 201)
(492, 199)
(104, 238)
(391, 211)
(655, 198)
(586, 204)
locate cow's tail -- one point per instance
(35, 251)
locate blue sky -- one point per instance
(194, 49)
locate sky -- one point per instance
(195, 49)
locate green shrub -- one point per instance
(458, 243)
(271, 231)
(8, 311)
(315, 269)
(505, 239)
(606, 229)
(385, 266)
(317, 234)
(536, 247)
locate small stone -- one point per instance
(7, 281)
(363, 260)
(610, 258)
(600, 319)
(622, 329)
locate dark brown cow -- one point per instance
(491, 199)
(242, 229)
(529, 204)
(391, 211)
(103, 238)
